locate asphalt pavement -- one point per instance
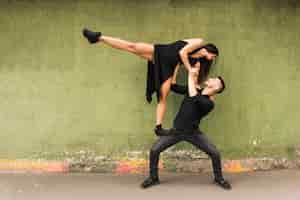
(270, 185)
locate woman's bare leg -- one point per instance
(162, 104)
(144, 50)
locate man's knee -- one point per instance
(215, 154)
(154, 151)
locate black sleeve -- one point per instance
(180, 89)
(199, 99)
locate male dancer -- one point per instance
(196, 104)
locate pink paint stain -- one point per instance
(33, 166)
(133, 166)
(235, 167)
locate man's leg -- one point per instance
(159, 146)
(201, 141)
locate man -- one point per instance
(196, 104)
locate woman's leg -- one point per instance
(144, 50)
(162, 104)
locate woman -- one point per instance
(162, 61)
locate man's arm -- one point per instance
(180, 89)
(192, 80)
(192, 85)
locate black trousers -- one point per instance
(197, 138)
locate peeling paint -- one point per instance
(33, 166)
(235, 166)
(139, 166)
(136, 163)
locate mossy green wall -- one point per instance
(58, 93)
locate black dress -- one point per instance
(165, 59)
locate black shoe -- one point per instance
(223, 184)
(92, 37)
(159, 131)
(150, 182)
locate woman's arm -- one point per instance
(191, 46)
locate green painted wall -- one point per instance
(58, 93)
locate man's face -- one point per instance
(214, 84)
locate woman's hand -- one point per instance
(195, 69)
(197, 65)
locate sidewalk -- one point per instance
(270, 185)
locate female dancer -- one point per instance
(162, 61)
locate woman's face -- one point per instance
(206, 54)
(209, 56)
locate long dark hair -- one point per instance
(205, 69)
(205, 64)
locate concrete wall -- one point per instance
(58, 93)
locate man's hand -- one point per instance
(162, 132)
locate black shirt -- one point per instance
(192, 109)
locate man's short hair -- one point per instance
(223, 84)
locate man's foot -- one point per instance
(223, 184)
(91, 36)
(150, 182)
(159, 131)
